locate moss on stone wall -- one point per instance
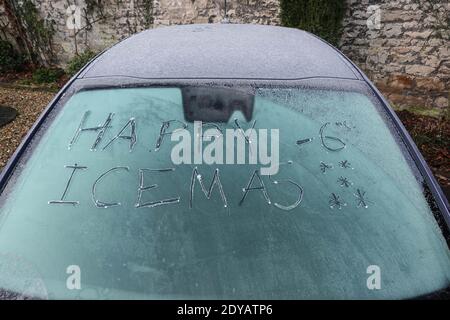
(321, 17)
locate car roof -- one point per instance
(221, 51)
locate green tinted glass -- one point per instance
(345, 199)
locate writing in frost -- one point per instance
(237, 140)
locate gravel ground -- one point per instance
(29, 104)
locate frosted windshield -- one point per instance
(136, 224)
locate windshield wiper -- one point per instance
(12, 295)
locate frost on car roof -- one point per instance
(221, 51)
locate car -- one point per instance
(221, 161)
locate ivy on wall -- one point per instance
(321, 17)
(39, 31)
(32, 33)
(10, 59)
(148, 13)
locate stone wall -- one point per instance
(169, 12)
(406, 52)
(400, 44)
(104, 22)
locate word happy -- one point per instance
(191, 150)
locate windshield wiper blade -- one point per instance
(443, 294)
(12, 295)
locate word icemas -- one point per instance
(254, 184)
